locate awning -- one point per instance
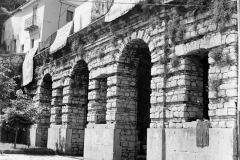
(61, 38)
(119, 8)
(100, 8)
(27, 68)
(48, 42)
(82, 16)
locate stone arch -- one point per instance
(142, 35)
(74, 112)
(133, 89)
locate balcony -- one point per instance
(31, 23)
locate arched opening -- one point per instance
(144, 91)
(136, 60)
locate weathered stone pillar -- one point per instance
(97, 101)
(73, 118)
(118, 109)
(180, 98)
(56, 110)
(55, 141)
(42, 99)
(223, 92)
(75, 92)
(122, 110)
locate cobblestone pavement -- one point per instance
(35, 157)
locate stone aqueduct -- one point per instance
(129, 89)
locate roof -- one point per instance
(28, 2)
(24, 5)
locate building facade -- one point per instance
(158, 80)
(34, 22)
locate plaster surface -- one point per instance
(102, 144)
(180, 144)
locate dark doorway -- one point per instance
(144, 105)
(205, 65)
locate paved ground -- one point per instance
(29, 157)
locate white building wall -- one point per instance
(15, 27)
(48, 13)
(55, 17)
(12, 30)
(27, 36)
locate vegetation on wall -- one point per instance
(222, 12)
(220, 59)
(77, 47)
(175, 61)
(101, 52)
(163, 60)
(214, 84)
(217, 54)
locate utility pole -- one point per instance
(238, 102)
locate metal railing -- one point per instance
(31, 23)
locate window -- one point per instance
(69, 16)
(22, 48)
(34, 20)
(14, 46)
(32, 43)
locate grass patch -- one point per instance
(9, 146)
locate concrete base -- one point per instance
(180, 144)
(66, 136)
(35, 137)
(54, 140)
(102, 144)
(59, 139)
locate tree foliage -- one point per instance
(20, 114)
(21, 111)
(7, 86)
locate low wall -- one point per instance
(180, 144)
(102, 144)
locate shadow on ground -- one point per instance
(30, 151)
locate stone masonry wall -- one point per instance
(178, 88)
